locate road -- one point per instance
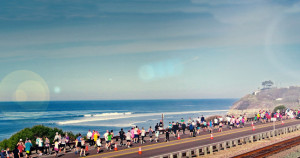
(186, 142)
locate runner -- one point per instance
(21, 148)
(232, 123)
(156, 127)
(93, 141)
(194, 132)
(220, 127)
(237, 121)
(76, 146)
(95, 136)
(82, 150)
(210, 126)
(191, 127)
(68, 141)
(160, 124)
(56, 147)
(121, 133)
(182, 120)
(170, 125)
(109, 137)
(220, 119)
(243, 122)
(16, 152)
(183, 126)
(89, 137)
(139, 133)
(198, 119)
(112, 136)
(202, 119)
(98, 143)
(198, 127)
(63, 144)
(143, 134)
(204, 126)
(150, 131)
(56, 137)
(36, 144)
(228, 120)
(105, 135)
(8, 153)
(175, 129)
(78, 142)
(28, 146)
(216, 123)
(156, 136)
(40, 146)
(47, 146)
(128, 138)
(189, 121)
(132, 134)
(168, 135)
(135, 132)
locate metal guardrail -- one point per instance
(209, 148)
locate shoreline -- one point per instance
(134, 124)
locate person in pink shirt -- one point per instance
(132, 134)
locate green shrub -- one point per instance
(280, 108)
(32, 133)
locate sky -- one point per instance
(150, 49)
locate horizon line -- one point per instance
(120, 100)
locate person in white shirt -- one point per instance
(105, 135)
(98, 143)
(128, 138)
(89, 137)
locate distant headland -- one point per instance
(267, 98)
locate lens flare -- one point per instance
(160, 70)
(21, 86)
(57, 89)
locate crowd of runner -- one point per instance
(136, 135)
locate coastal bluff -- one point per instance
(267, 99)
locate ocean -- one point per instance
(80, 116)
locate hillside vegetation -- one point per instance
(268, 99)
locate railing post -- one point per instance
(205, 150)
(197, 152)
(251, 138)
(179, 155)
(236, 142)
(211, 151)
(171, 155)
(224, 145)
(218, 147)
(189, 154)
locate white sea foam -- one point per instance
(104, 117)
(51, 114)
(108, 114)
(188, 105)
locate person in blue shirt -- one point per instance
(191, 127)
(28, 146)
(79, 141)
(2, 154)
